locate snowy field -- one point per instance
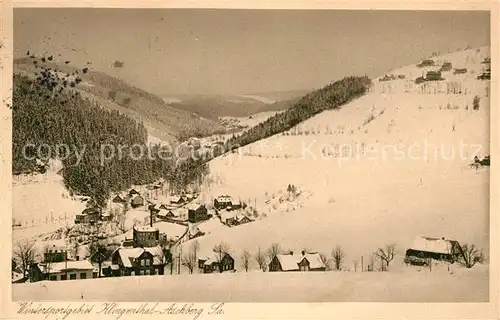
(408, 285)
(362, 200)
(41, 204)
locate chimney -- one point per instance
(303, 253)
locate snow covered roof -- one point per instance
(224, 199)
(133, 253)
(436, 245)
(175, 198)
(171, 229)
(314, 260)
(240, 217)
(290, 262)
(224, 215)
(145, 229)
(57, 267)
(194, 206)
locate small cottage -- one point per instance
(133, 192)
(88, 216)
(425, 248)
(216, 263)
(118, 199)
(297, 262)
(177, 200)
(137, 201)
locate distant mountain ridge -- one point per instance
(163, 121)
(213, 106)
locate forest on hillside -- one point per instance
(331, 96)
(46, 113)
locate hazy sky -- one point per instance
(168, 51)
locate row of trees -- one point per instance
(332, 96)
(383, 255)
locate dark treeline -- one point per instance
(331, 96)
(46, 115)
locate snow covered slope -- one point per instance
(385, 168)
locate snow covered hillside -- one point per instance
(41, 204)
(382, 169)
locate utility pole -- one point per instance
(179, 262)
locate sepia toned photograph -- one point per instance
(177, 155)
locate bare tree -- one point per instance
(121, 222)
(98, 254)
(164, 257)
(471, 255)
(246, 259)
(260, 257)
(338, 257)
(325, 260)
(273, 251)
(25, 253)
(195, 248)
(220, 250)
(188, 261)
(386, 255)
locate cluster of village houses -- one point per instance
(144, 255)
(143, 252)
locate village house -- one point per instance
(60, 271)
(137, 261)
(177, 200)
(222, 202)
(425, 248)
(56, 266)
(216, 263)
(133, 192)
(197, 212)
(297, 262)
(137, 201)
(233, 218)
(88, 216)
(460, 71)
(447, 66)
(194, 231)
(433, 76)
(119, 199)
(146, 236)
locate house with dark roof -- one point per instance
(137, 201)
(89, 215)
(297, 262)
(118, 199)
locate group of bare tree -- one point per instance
(25, 254)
